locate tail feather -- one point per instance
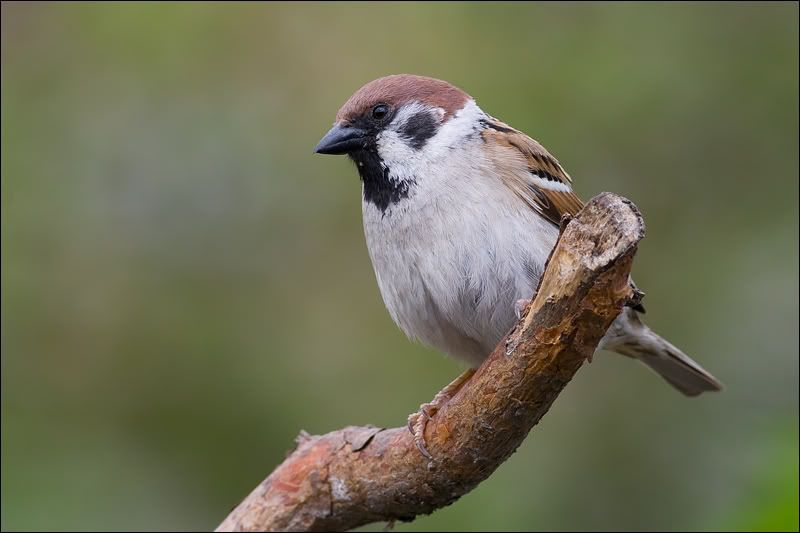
(629, 336)
(679, 370)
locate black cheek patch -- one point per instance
(419, 128)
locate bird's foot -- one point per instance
(417, 422)
(520, 306)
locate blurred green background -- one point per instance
(185, 286)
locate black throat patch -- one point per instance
(379, 188)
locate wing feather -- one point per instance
(531, 171)
(535, 175)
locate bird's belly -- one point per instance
(450, 277)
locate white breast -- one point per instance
(453, 257)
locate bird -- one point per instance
(460, 213)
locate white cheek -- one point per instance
(393, 148)
(407, 162)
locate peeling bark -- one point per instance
(359, 475)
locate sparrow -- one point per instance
(460, 213)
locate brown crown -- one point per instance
(400, 89)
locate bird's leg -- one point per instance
(417, 422)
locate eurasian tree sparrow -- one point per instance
(460, 214)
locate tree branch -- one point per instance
(359, 475)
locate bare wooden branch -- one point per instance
(359, 475)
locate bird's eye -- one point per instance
(380, 111)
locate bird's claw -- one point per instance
(417, 422)
(520, 306)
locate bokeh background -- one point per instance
(185, 286)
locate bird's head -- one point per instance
(393, 126)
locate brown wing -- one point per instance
(536, 176)
(530, 171)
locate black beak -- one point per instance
(342, 139)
